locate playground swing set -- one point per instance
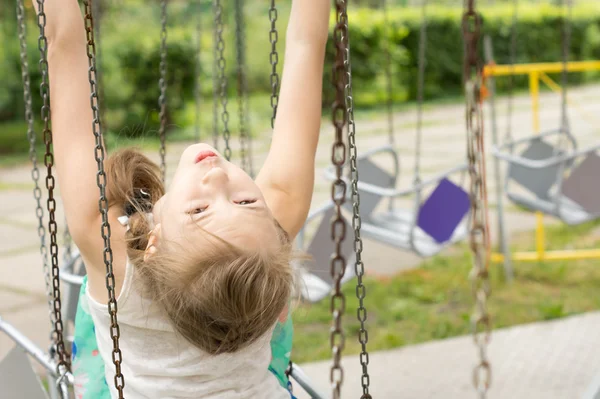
(443, 212)
(547, 172)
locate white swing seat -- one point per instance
(568, 211)
(317, 282)
(394, 226)
(536, 171)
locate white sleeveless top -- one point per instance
(159, 364)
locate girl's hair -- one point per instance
(220, 298)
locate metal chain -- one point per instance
(479, 243)
(99, 154)
(162, 84)
(361, 291)
(220, 52)
(566, 44)
(63, 364)
(388, 73)
(35, 173)
(338, 197)
(420, 95)
(274, 59)
(215, 82)
(198, 82)
(511, 78)
(241, 80)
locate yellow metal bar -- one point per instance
(575, 254)
(534, 89)
(548, 67)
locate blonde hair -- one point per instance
(220, 299)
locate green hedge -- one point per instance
(130, 41)
(539, 40)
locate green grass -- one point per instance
(435, 302)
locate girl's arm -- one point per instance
(71, 117)
(287, 177)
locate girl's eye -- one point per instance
(198, 210)
(246, 202)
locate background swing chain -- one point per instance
(35, 173)
(215, 83)
(198, 72)
(480, 319)
(361, 291)
(99, 152)
(338, 197)
(511, 77)
(220, 53)
(162, 84)
(274, 59)
(241, 80)
(388, 74)
(63, 363)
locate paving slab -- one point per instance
(23, 273)
(34, 322)
(548, 360)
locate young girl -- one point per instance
(202, 268)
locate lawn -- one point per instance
(434, 301)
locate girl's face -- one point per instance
(211, 194)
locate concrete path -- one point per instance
(549, 360)
(22, 300)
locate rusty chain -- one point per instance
(479, 241)
(361, 291)
(338, 197)
(63, 363)
(99, 153)
(162, 84)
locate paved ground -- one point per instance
(431, 370)
(552, 360)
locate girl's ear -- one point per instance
(153, 239)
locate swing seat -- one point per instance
(536, 170)
(427, 228)
(316, 276)
(17, 378)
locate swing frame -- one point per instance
(535, 73)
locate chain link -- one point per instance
(274, 59)
(479, 235)
(361, 291)
(338, 196)
(162, 84)
(221, 64)
(511, 77)
(63, 362)
(35, 173)
(198, 82)
(388, 74)
(99, 154)
(241, 80)
(566, 44)
(215, 82)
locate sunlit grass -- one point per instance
(434, 301)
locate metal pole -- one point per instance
(298, 375)
(502, 239)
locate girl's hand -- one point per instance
(64, 22)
